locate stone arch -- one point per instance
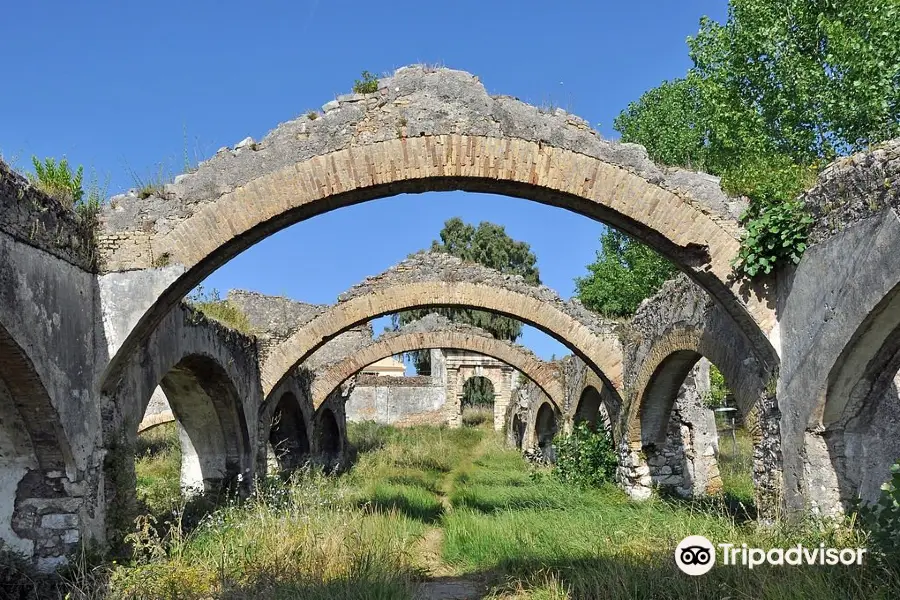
(39, 517)
(437, 279)
(331, 376)
(210, 377)
(288, 435)
(426, 131)
(546, 427)
(672, 332)
(857, 418)
(592, 410)
(213, 430)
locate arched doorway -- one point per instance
(477, 402)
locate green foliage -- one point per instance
(718, 391)
(489, 245)
(478, 391)
(57, 180)
(778, 90)
(367, 85)
(585, 458)
(625, 273)
(223, 311)
(883, 518)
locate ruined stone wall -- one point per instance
(398, 401)
(685, 462)
(840, 322)
(31, 217)
(669, 333)
(854, 188)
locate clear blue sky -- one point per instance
(115, 86)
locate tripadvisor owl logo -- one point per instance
(695, 555)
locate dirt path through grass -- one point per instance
(445, 582)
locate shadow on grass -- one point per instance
(727, 505)
(384, 502)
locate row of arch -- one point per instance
(307, 168)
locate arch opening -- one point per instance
(592, 410)
(694, 435)
(288, 435)
(328, 437)
(854, 436)
(35, 463)
(477, 401)
(193, 440)
(546, 426)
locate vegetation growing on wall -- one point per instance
(57, 180)
(223, 311)
(774, 93)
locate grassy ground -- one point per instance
(458, 511)
(158, 469)
(736, 465)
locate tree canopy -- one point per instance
(625, 272)
(780, 89)
(489, 245)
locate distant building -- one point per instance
(389, 366)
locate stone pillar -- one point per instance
(502, 397)
(453, 403)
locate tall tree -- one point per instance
(625, 272)
(780, 89)
(489, 245)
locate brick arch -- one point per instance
(662, 373)
(427, 131)
(601, 351)
(543, 374)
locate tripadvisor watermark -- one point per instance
(696, 555)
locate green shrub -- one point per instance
(585, 457)
(883, 518)
(367, 85)
(58, 181)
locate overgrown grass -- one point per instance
(477, 415)
(221, 310)
(736, 466)
(516, 530)
(157, 465)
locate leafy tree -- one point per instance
(489, 245)
(776, 92)
(478, 391)
(625, 272)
